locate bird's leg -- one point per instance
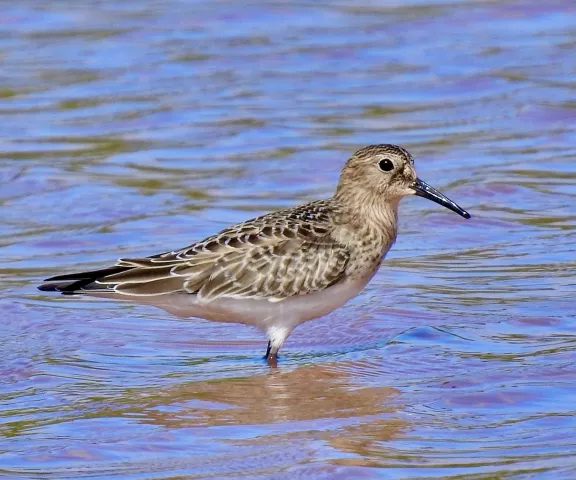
(276, 336)
(271, 355)
(268, 350)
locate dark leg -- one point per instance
(271, 356)
(268, 350)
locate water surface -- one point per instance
(135, 127)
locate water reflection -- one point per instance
(306, 393)
(289, 410)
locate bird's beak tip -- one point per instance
(422, 189)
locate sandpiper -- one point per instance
(278, 270)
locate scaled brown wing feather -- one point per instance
(260, 267)
(278, 255)
(291, 267)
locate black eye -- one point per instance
(386, 165)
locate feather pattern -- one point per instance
(266, 257)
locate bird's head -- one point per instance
(385, 173)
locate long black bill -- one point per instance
(422, 189)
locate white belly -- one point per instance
(260, 313)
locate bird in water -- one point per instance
(281, 269)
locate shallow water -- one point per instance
(131, 128)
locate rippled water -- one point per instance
(134, 127)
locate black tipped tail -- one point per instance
(78, 283)
(56, 287)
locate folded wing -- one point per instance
(267, 259)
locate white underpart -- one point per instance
(275, 318)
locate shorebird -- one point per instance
(281, 269)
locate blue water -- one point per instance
(135, 127)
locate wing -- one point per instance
(279, 255)
(288, 268)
